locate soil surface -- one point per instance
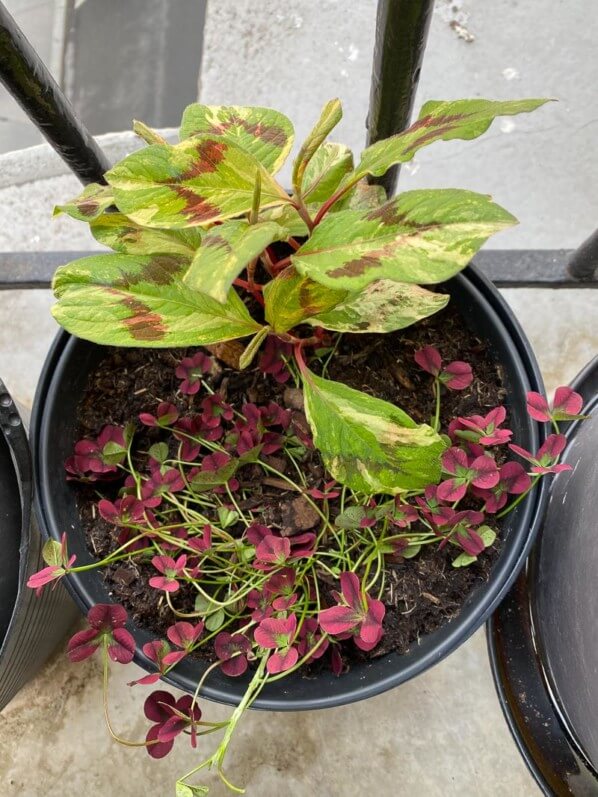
(423, 593)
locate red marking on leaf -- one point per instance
(209, 153)
(440, 126)
(354, 268)
(87, 207)
(196, 207)
(160, 270)
(389, 214)
(143, 323)
(272, 134)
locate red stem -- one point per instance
(329, 203)
(255, 290)
(280, 264)
(298, 351)
(303, 212)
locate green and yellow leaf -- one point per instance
(91, 202)
(439, 120)
(330, 116)
(225, 252)
(290, 299)
(252, 347)
(266, 134)
(330, 163)
(137, 300)
(423, 236)
(363, 197)
(382, 306)
(287, 217)
(196, 182)
(120, 233)
(369, 444)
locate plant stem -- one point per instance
(437, 412)
(304, 213)
(279, 265)
(519, 499)
(253, 689)
(114, 735)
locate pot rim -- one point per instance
(478, 606)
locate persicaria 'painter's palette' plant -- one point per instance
(209, 249)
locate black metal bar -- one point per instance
(507, 268)
(401, 32)
(529, 268)
(29, 81)
(30, 270)
(583, 264)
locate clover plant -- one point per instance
(209, 248)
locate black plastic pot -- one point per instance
(53, 436)
(30, 627)
(543, 640)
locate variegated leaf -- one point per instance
(330, 116)
(224, 253)
(91, 202)
(287, 217)
(382, 306)
(290, 299)
(423, 236)
(196, 182)
(121, 234)
(369, 444)
(438, 121)
(326, 169)
(363, 197)
(136, 300)
(264, 133)
(252, 348)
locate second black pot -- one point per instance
(53, 436)
(31, 626)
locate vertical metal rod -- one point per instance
(401, 32)
(584, 261)
(29, 81)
